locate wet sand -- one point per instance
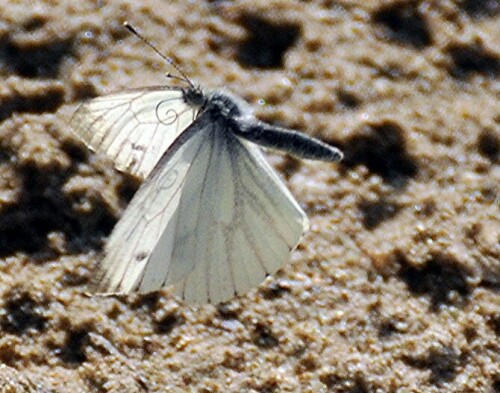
(396, 286)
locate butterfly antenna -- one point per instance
(184, 78)
(171, 76)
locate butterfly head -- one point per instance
(194, 97)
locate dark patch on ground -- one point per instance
(438, 279)
(264, 337)
(166, 320)
(289, 166)
(23, 313)
(47, 101)
(443, 363)
(228, 310)
(269, 386)
(77, 150)
(387, 329)
(37, 61)
(493, 322)
(128, 188)
(489, 145)
(166, 324)
(267, 42)
(35, 22)
(338, 384)
(275, 289)
(42, 209)
(84, 91)
(495, 386)
(73, 351)
(382, 148)
(375, 213)
(472, 59)
(146, 302)
(348, 100)
(403, 23)
(481, 8)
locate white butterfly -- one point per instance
(212, 218)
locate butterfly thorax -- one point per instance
(224, 106)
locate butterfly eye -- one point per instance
(194, 97)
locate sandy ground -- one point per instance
(396, 286)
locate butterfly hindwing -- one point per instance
(237, 223)
(256, 224)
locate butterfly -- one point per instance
(212, 218)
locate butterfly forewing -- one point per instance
(134, 128)
(152, 212)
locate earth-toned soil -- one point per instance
(396, 286)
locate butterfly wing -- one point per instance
(213, 219)
(134, 128)
(153, 210)
(236, 223)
